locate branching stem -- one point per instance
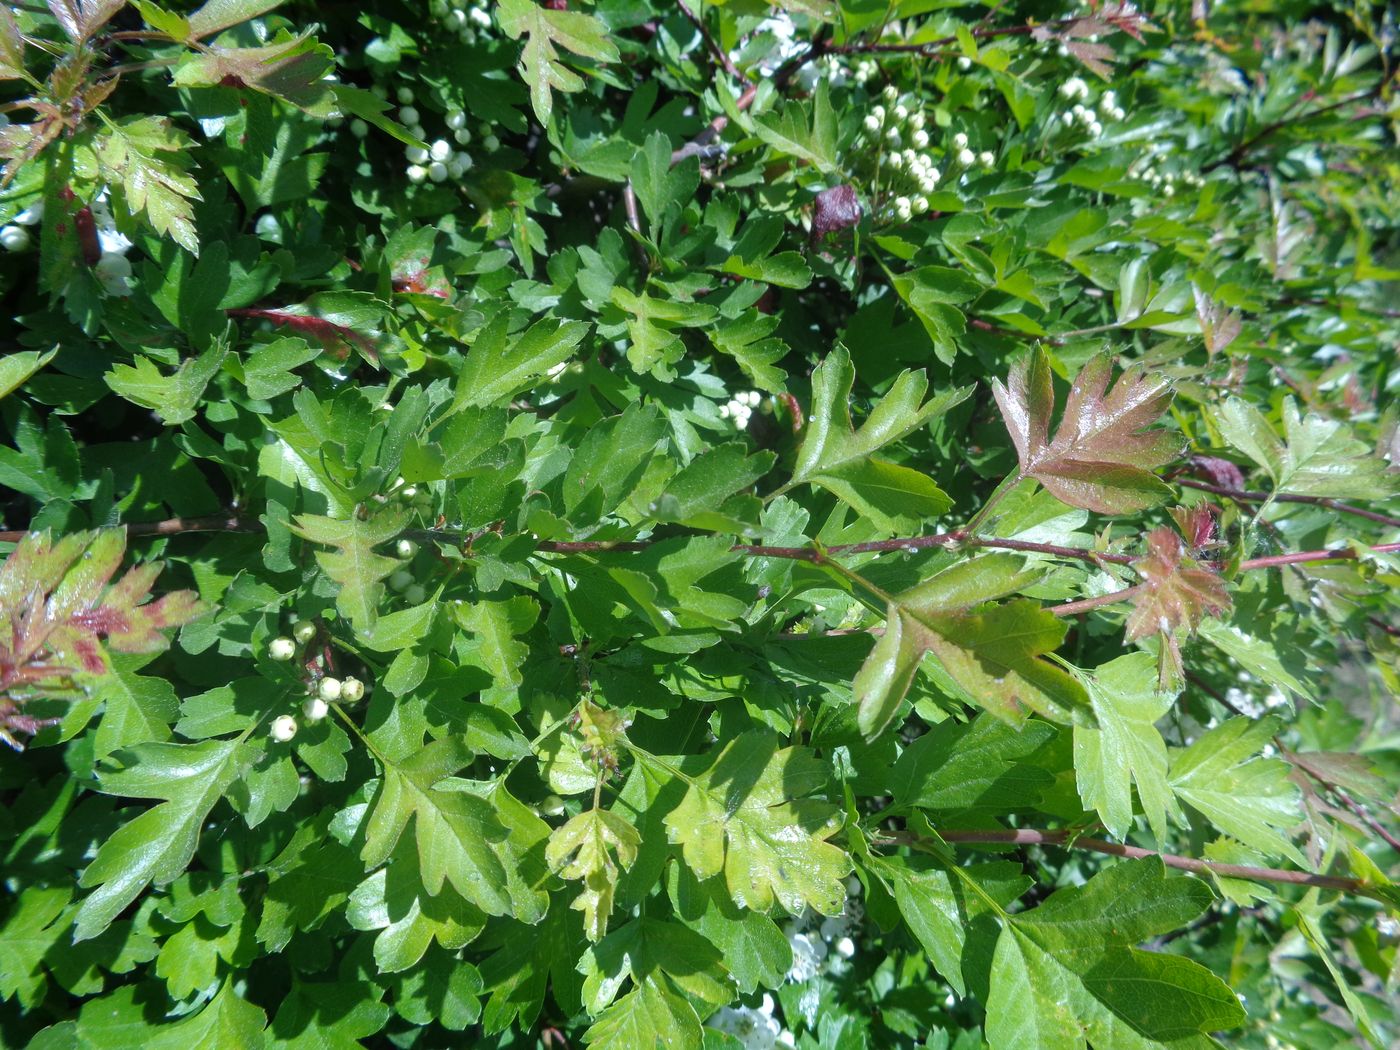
(1067, 839)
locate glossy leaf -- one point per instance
(1104, 449)
(751, 818)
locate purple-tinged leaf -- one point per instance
(1103, 450)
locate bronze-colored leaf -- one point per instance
(1102, 456)
(1177, 591)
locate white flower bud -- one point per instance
(1095, 128)
(878, 112)
(901, 113)
(437, 171)
(14, 238)
(916, 120)
(919, 139)
(416, 154)
(31, 215)
(303, 631)
(400, 580)
(893, 137)
(112, 272)
(871, 122)
(408, 493)
(896, 161)
(964, 63)
(960, 141)
(456, 119)
(414, 594)
(890, 93)
(417, 173)
(986, 158)
(903, 208)
(352, 690)
(462, 136)
(281, 648)
(920, 205)
(328, 689)
(551, 805)
(845, 947)
(967, 158)
(406, 548)
(405, 96)
(408, 115)
(284, 727)
(315, 709)
(359, 128)
(441, 150)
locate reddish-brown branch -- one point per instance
(1274, 561)
(908, 543)
(1247, 496)
(170, 527)
(1067, 840)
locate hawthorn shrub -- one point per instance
(833, 525)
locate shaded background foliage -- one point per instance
(593, 382)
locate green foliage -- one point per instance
(638, 525)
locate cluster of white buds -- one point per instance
(440, 160)
(740, 407)
(829, 68)
(754, 1026)
(819, 943)
(469, 19)
(1084, 117)
(1109, 107)
(1090, 117)
(897, 125)
(1166, 182)
(865, 71)
(1074, 88)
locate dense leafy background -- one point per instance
(824, 500)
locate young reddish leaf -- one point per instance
(833, 210)
(1177, 591)
(221, 14)
(290, 68)
(1102, 456)
(56, 607)
(81, 18)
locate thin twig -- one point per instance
(1086, 604)
(1248, 496)
(1068, 840)
(169, 527)
(1236, 155)
(721, 57)
(1273, 561)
